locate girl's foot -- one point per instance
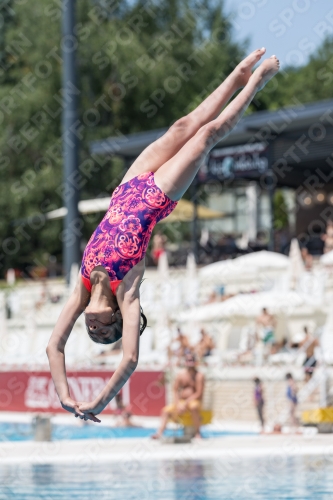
(266, 71)
(243, 71)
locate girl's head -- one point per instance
(103, 317)
(111, 330)
(104, 321)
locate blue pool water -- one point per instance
(25, 432)
(270, 478)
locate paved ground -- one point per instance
(87, 451)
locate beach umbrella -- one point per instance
(73, 277)
(191, 284)
(248, 305)
(296, 264)
(184, 212)
(327, 259)
(251, 263)
(85, 207)
(326, 339)
(163, 266)
(191, 266)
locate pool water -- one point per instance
(25, 432)
(269, 478)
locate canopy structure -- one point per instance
(184, 212)
(284, 126)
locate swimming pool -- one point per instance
(270, 478)
(25, 432)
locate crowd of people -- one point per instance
(262, 344)
(180, 347)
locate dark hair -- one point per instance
(257, 380)
(289, 376)
(117, 329)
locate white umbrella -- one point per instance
(191, 266)
(326, 339)
(248, 305)
(163, 266)
(85, 207)
(191, 285)
(327, 259)
(73, 277)
(296, 264)
(183, 211)
(246, 264)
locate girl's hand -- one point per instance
(72, 406)
(89, 410)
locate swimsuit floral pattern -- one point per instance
(121, 239)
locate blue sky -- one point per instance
(290, 29)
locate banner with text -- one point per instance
(245, 161)
(144, 392)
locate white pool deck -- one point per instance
(84, 452)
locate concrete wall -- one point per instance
(233, 400)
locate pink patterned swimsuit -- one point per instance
(121, 239)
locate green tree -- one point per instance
(281, 220)
(309, 83)
(140, 67)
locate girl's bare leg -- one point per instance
(175, 176)
(158, 153)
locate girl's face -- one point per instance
(98, 318)
(99, 324)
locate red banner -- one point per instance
(144, 392)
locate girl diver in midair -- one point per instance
(107, 291)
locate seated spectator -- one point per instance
(205, 345)
(159, 241)
(315, 244)
(328, 237)
(266, 324)
(307, 258)
(188, 391)
(309, 343)
(179, 347)
(212, 297)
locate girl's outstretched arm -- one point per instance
(129, 304)
(56, 346)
